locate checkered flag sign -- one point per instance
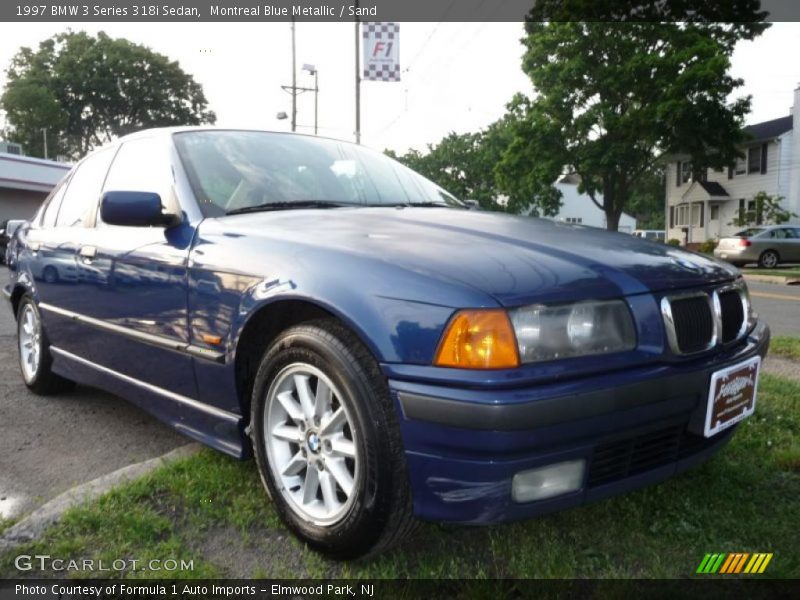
(381, 51)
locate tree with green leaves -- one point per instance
(768, 210)
(464, 164)
(612, 97)
(86, 90)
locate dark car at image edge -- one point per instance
(384, 353)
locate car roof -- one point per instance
(168, 131)
(164, 132)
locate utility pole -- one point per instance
(44, 133)
(294, 81)
(316, 99)
(358, 80)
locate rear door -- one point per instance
(53, 245)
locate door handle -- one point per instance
(88, 252)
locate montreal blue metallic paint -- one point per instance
(395, 276)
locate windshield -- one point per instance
(233, 171)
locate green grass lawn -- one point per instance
(5, 523)
(785, 346)
(211, 509)
(789, 272)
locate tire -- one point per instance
(769, 259)
(50, 274)
(308, 469)
(35, 360)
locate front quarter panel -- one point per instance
(398, 314)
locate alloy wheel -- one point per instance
(30, 342)
(311, 444)
(769, 259)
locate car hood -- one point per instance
(517, 260)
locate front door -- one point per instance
(134, 280)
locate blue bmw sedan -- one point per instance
(384, 353)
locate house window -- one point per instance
(741, 165)
(697, 215)
(714, 212)
(750, 212)
(754, 212)
(574, 220)
(754, 160)
(682, 215)
(689, 215)
(686, 172)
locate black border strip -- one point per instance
(475, 11)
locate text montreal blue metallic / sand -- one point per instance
(383, 351)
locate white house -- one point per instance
(578, 208)
(25, 182)
(702, 209)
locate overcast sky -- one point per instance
(456, 76)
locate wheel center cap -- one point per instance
(313, 442)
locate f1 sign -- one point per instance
(381, 51)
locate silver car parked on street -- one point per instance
(767, 246)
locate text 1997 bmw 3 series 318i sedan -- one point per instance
(384, 353)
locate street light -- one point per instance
(312, 70)
(295, 89)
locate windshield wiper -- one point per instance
(267, 206)
(424, 204)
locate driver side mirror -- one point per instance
(136, 209)
(472, 204)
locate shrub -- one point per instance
(674, 242)
(708, 246)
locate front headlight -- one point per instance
(567, 330)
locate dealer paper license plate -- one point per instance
(732, 395)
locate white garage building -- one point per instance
(25, 182)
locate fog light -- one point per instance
(549, 481)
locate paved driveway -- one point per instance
(48, 445)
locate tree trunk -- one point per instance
(612, 219)
(614, 202)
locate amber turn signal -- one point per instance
(478, 339)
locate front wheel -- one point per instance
(35, 360)
(327, 442)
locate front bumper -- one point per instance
(463, 446)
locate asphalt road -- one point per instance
(50, 444)
(779, 305)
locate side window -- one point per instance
(52, 205)
(141, 165)
(83, 189)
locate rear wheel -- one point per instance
(35, 360)
(327, 443)
(50, 274)
(769, 259)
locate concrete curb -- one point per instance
(777, 279)
(34, 524)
